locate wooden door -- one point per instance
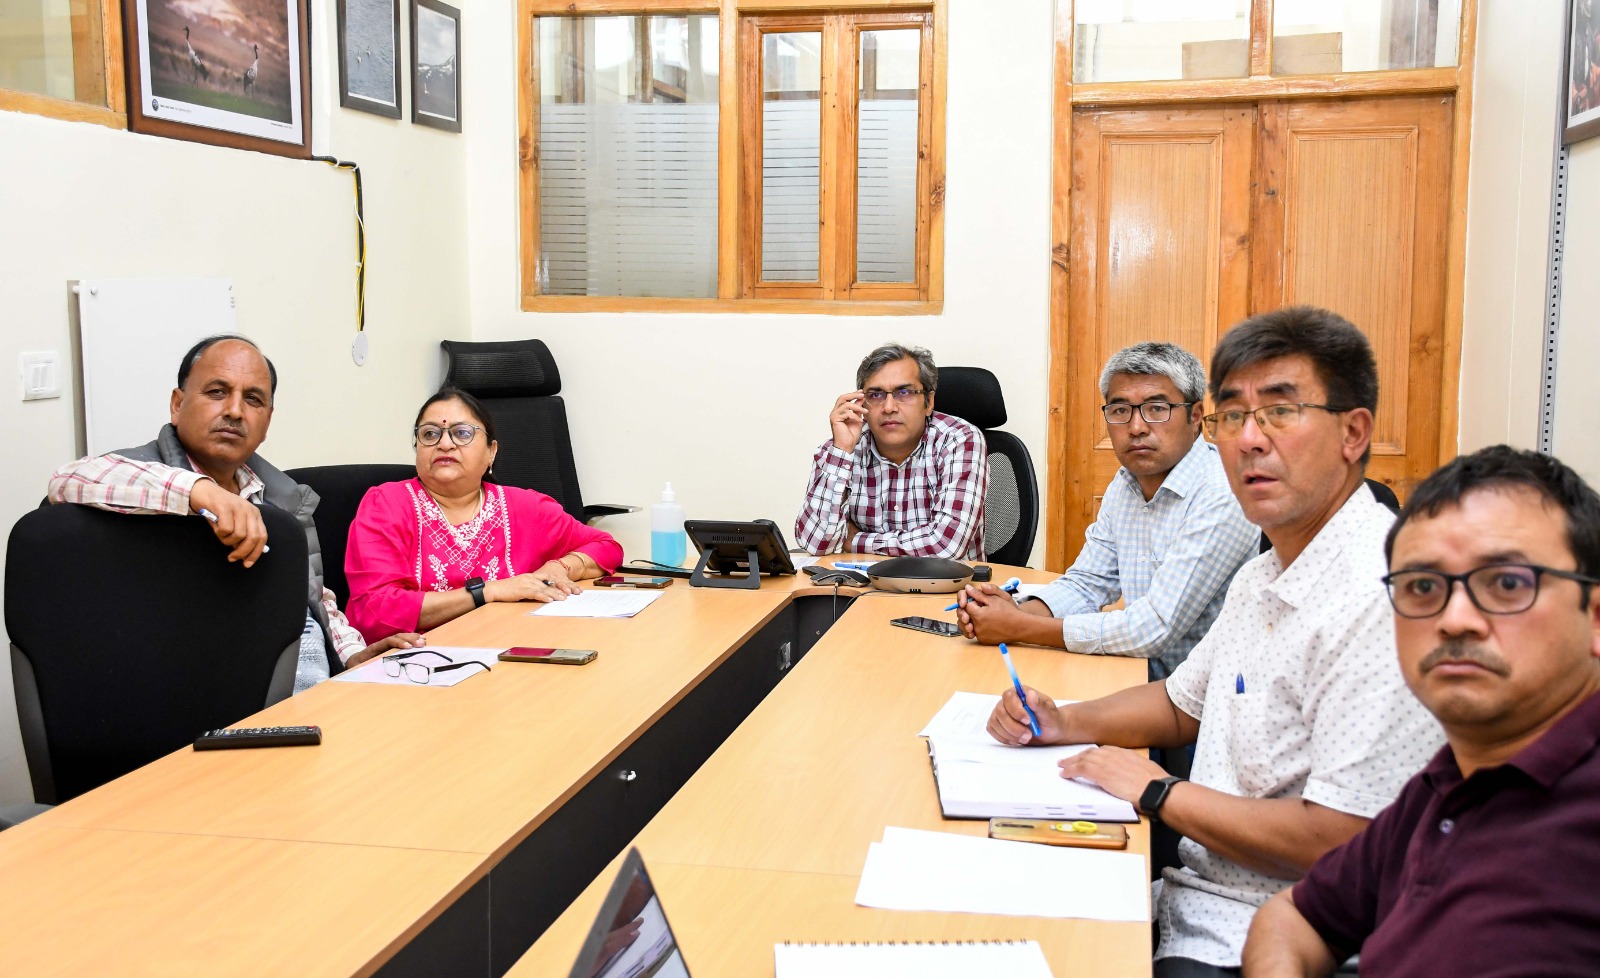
(1159, 251)
(1186, 220)
(1351, 214)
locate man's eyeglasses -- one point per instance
(900, 394)
(1496, 589)
(1153, 412)
(461, 434)
(422, 672)
(1269, 418)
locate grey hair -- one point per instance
(927, 373)
(1152, 359)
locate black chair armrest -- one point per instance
(596, 511)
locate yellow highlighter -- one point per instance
(1051, 833)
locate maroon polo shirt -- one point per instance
(1495, 875)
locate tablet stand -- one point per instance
(749, 582)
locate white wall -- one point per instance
(731, 407)
(80, 201)
(1577, 396)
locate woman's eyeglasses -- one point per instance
(461, 434)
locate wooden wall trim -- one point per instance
(1456, 241)
(1414, 81)
(1056, 454)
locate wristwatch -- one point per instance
(475, 588)
(1155, 795)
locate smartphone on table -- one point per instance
(620, 580)
(558, 657)
(932, 626)
(1054, 832)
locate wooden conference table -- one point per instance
(438, 831)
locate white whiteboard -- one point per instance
(131, 335)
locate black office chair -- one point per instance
(1380, 492)
(1011, 507)
(341, 488)
(130, 635)
(518, 383)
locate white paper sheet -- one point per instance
(373, 671)
(916, 870)
(1013, 959)
(966, 715)
(599, 603)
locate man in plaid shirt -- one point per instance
(1169, 537)
(897, 477)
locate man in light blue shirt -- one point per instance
(1169, 537)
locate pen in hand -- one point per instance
(1016, 684)
(208, 514)
(1010, 587)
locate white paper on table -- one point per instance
(373, 670)
(938, 871)
(966, 715)
(599, 603)
(898, 959)
(801, 561)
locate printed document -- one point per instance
(599, 603)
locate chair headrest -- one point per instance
(971, 394)
(515, 368)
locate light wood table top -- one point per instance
(91, 902)
(727, 921)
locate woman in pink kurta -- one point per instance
(430, 549)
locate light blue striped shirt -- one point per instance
(1170, 559)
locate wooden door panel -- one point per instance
(1159, 251)
(1351, 215)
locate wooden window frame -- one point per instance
(1260, 85)
(109, 83)
(737, 289)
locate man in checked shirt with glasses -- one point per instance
(897, 477)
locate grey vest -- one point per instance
(282, 492)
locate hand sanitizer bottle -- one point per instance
(666, 530)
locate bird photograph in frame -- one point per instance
(231, 72)
(1581, 81)
(369, 56)
(435, 65)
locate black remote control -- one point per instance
(258, 737)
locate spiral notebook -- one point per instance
(941, 959)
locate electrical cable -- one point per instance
(361, 238)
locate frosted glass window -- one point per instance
(1311, 37)
(628, 156)
(886, 156)
(791, 155)
(54, 48)
(1153, 40)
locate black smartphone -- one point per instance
(618, 580)
(559, 657)
(933, 626)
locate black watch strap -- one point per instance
(475, 588)
(1155, 795)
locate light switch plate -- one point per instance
(41, 375)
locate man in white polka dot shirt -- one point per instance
(1303, 726)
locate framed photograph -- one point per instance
(369, 56)
(228, 72)
(1581, 81)
(436, 65)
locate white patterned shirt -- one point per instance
(1170, 559)
(1324, 714)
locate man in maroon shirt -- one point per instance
(1486, 863)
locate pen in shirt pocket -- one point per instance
(1238, 683)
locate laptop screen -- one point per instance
(630, 938)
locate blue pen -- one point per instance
(1238, 683)
(1016, 684)
(1010, 587)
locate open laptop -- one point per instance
(630, 938)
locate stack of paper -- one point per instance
(978, 777)
(913, 870)
(599, 603)
(943, 959)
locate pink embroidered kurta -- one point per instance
(402, 547)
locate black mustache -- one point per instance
(1461, 651)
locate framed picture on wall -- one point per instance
(436, 65)
(369, 56)
(228, 72)
(1581, 81)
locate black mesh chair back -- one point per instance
(1011, 506)
(130, 635)
(341, 488)
(518, 383)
